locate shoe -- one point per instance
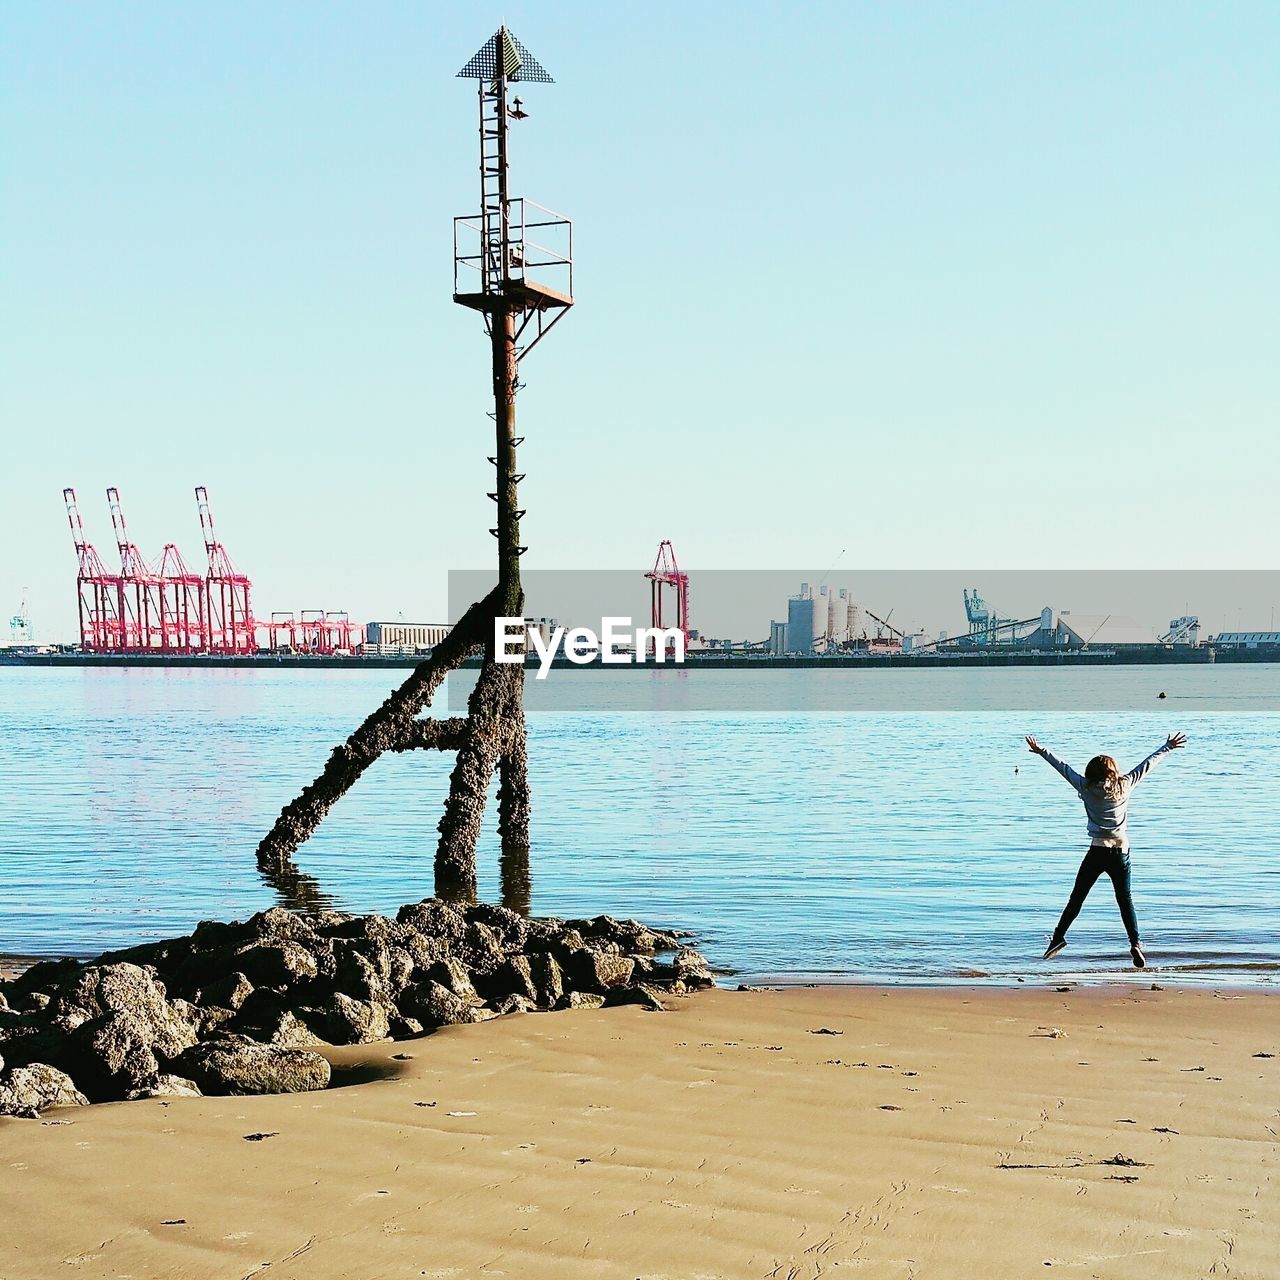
(1139, 960)
(1055, 945)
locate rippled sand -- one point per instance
(800, 1133)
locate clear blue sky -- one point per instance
(979, 285)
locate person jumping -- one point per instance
(1106, 802)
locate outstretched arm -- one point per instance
(1061, 765)
(1174, 743)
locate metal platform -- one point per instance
(526, 295)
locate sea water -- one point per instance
(835, 826)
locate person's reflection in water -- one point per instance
(296, 890)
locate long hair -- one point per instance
(1101, 773)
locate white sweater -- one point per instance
(1106, 810)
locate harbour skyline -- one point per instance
(1054, 225)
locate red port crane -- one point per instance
(101, 627)
(183, 609)
(231, 626)
(666, 573)
(167, 608)
(141, 588)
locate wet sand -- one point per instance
(11, 966)
(949, 1133)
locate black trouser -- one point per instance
(1101, 860)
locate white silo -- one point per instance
(853, 622)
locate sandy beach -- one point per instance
(775, 1134)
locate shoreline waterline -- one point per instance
(1261, 977)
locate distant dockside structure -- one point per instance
(403, 637)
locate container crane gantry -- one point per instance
(666, 572)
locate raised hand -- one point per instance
(1032, 745)
(1176, 741)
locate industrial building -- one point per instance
(831, 622)
(397, 638)
(1247, 639)
(821, 621)
(403, 637)
(1059, 629)
(1067, 630)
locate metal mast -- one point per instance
(513, 263)
(496, 251)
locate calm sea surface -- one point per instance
(879, 825)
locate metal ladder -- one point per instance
(492, 213)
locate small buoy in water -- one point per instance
(1162, 693)
(1015, 768)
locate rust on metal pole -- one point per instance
(504, 404)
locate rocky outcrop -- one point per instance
(27, 1091)
(239, 1007)
(243, 1066)
(166, 1086)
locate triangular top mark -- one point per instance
(517, 62)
